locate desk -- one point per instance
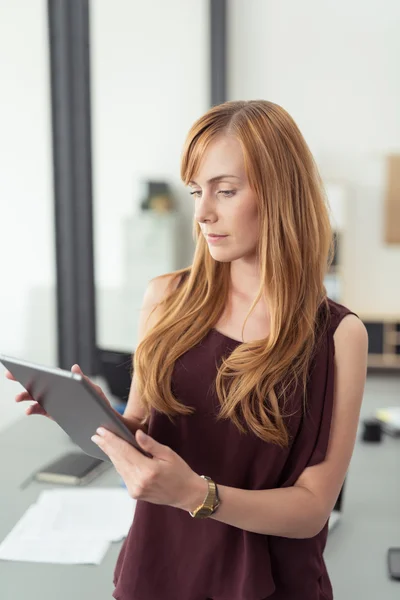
(24, 447)
(355, 553)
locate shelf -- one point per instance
(380, 317)
(393, 337)
(384, 342)
(387, 361)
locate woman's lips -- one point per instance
(215, 238)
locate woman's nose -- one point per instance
(204, 209)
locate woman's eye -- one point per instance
(225, 193)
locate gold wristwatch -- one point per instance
(211, 501)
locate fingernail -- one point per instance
(94, 439)
(101, 431)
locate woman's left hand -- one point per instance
(164, 479)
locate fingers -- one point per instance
(153, 447)
(35, 409)
(76, 369)
(23, 396)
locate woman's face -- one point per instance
(224, 203)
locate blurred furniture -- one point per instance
(336, 196)
(152, 247)
(116, 368)
(392, 199)
(384, 340)
(383, 329)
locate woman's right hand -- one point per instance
(36, 408)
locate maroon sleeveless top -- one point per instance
(168, 555)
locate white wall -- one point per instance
(150, 81)
(27, 298)
(334, 65)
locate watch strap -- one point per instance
(210, 503)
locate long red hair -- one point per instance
(295, 249)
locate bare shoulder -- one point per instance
(159, 287)
(351, 335)
(156, 291)
(351, 359)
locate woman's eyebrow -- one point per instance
(216, 178)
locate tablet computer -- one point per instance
(72, 402)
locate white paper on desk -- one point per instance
(70, 526)
(18, 546)
(67, 552)
(95, 513)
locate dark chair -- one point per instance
(116, 368)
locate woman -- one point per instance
(246, 374)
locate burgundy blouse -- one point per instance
(168, 555)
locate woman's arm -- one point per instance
(302, 510)
(156, 290)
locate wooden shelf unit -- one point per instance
(384, 340)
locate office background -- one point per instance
(332, 64)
